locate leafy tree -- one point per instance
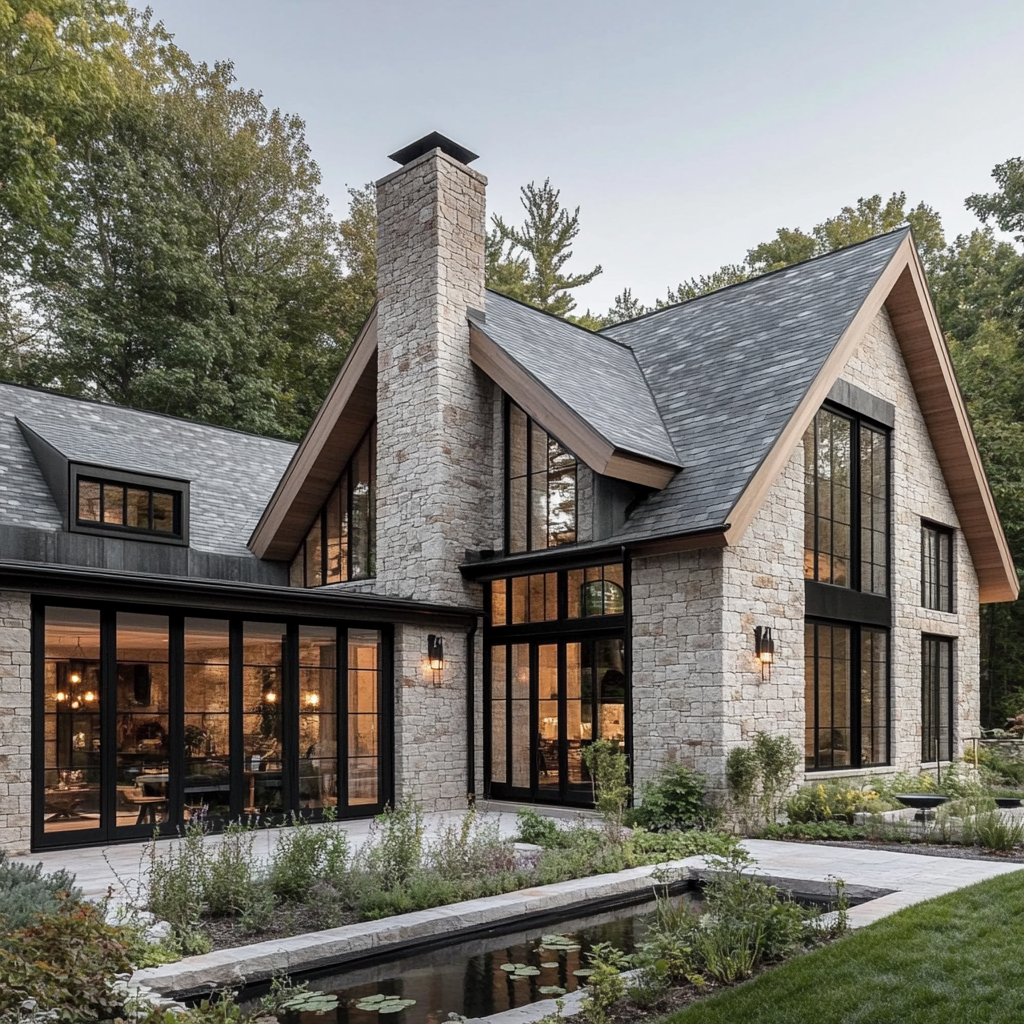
(696, 286)
(204, 272)
(529, 262)
(57, 82)
(869, 217)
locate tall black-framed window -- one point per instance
(341, 544)
(540, 486)
(846, 502)
(146, 718)
(936, 698)
(936, 567)
(557, 679)
(846, 678)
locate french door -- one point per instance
(548, 701)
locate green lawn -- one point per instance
(958, 959)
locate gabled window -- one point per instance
(131, 504)
(342, 542)
(936, 567)
(540, 486)
(846, 502)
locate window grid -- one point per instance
(342, 542)
(107, 503)
(936, 698)
(541, 485)
(846, 503)
(847, 696)
(936, 567)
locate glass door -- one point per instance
(547, 703)
(72, 733)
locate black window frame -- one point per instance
(531, 425)
(856, 631)
(346, 477)
(929, 736)
(857, 421)
(178, 489)
(291, 682)
(934, 588)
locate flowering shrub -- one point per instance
(825, 801)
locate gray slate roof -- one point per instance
(599, 379)
(729, 369)
(232, 475)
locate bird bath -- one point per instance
(923, 803)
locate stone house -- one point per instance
(502, 538)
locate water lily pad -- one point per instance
(550, 963)
(508, 967)
(312, 1002)
(551, 990)
(583, 972)
(527, 972)
(372, 999)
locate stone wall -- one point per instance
(436, 453)
(697, 686)
(677, 660)
(15, 722)
(919, 492)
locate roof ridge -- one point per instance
(904, 228)
(38, 389)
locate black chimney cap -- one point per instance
(435, 140)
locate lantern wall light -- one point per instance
(435, 653)
(764, 648)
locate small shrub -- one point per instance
(676, 799)
(304, 854)
(534, 828)
(609, 770)
(835, 800)
(605, 986)
(229, 871)
(25, 892)
(650, 847)
(996, 831)
(66, 963)
(741, 775)
(470, 850)
(394, 848)
(825, 830)
(176, 879)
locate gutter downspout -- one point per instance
(471, 714)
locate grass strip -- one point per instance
(956, 959)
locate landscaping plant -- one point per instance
(759, 776)
(609, 770)
(675, 799)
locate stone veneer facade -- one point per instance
(15, 721)
(697, 687)
(434, 409)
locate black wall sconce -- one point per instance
(435, 653)
(764, 648)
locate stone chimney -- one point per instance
(433, 406)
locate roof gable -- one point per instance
(586, 389)
(771, 349)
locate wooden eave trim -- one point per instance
(683, 542)
(901, 289)
(542, 405)
(264, 540)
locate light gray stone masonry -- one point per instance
(697, 687)
(435, 451)
(15, 722)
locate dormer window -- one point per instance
(130, 504)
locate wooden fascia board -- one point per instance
(272, 537)
(930, 366)
(756, 491)
(942, 407)
(683, 542)
(542, 405)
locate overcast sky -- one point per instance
(686, 131)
